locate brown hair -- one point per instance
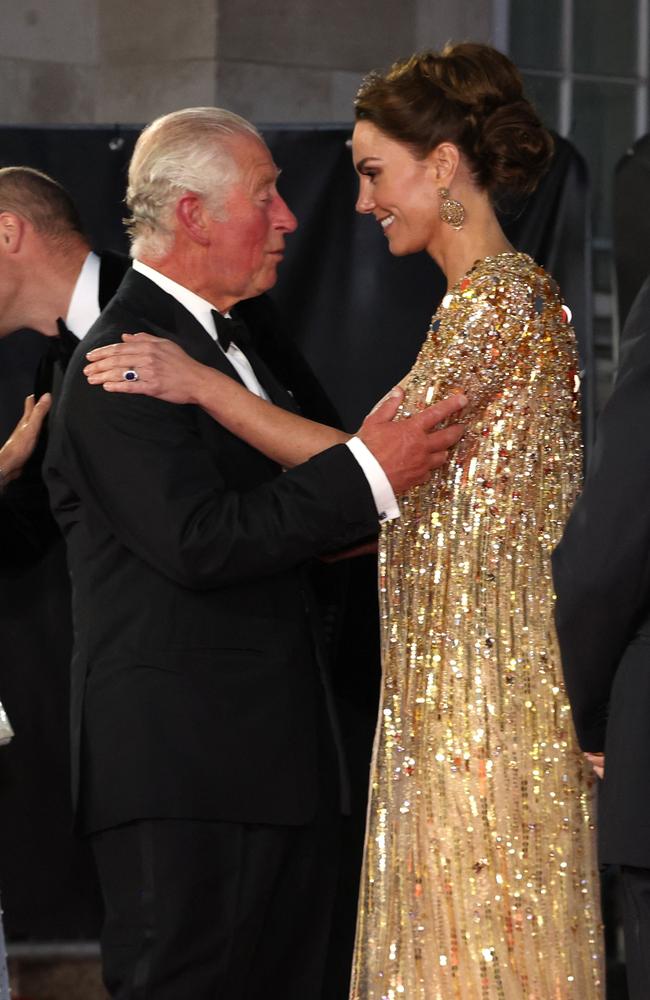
(468, 94)
(39, 199)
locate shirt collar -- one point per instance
(84, 303)
(200, 308)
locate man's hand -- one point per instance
(409, 450)
(164, 369)
(597, 761)
(17, 449)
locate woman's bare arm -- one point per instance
(407, 450)
(167, 372)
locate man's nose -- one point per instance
(284, 218)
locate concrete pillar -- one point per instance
(270, 60)
(289, 61)
(47, 61)
(441, 21)
(154, 57)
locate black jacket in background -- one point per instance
(27, 528)
(602, 577)
(47, 875)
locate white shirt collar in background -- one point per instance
(84, 304)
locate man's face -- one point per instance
(249, 242)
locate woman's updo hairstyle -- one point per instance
(468, 94)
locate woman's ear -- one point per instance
(444, 160)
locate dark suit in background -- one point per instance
(27, 527)
(602, 577)
(196, 692)
(36, 628)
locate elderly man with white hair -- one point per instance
(205, 759)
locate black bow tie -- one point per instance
(230, 331)
(63, 347)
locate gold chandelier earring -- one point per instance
(451, 211)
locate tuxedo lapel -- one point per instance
(211, 354)
(54, 362)
(155, 311)
(248, 337)
(275, 391)
(65, 344)
(168, 318)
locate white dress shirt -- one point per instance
(84, 304)
(201, 309)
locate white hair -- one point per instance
(186, 150)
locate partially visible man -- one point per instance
(205, 755)
(50, 281)
(47, 269)
(602, 578)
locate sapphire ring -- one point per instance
(130, 375)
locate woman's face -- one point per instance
(398, 189)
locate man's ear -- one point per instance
(12, 231)
(192, 217)
(443, 162)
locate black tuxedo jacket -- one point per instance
(195, 691)
(602, 578)
(27, 528)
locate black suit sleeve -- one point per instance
(602, 565)
(143, 467)
(27, 527)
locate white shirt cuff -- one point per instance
(382, 491)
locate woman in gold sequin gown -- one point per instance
(479, 878)
(480, 873)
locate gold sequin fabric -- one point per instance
(480, 877)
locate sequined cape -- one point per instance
(480, 876)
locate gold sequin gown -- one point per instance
(480, 876)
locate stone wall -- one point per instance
(87, 61)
